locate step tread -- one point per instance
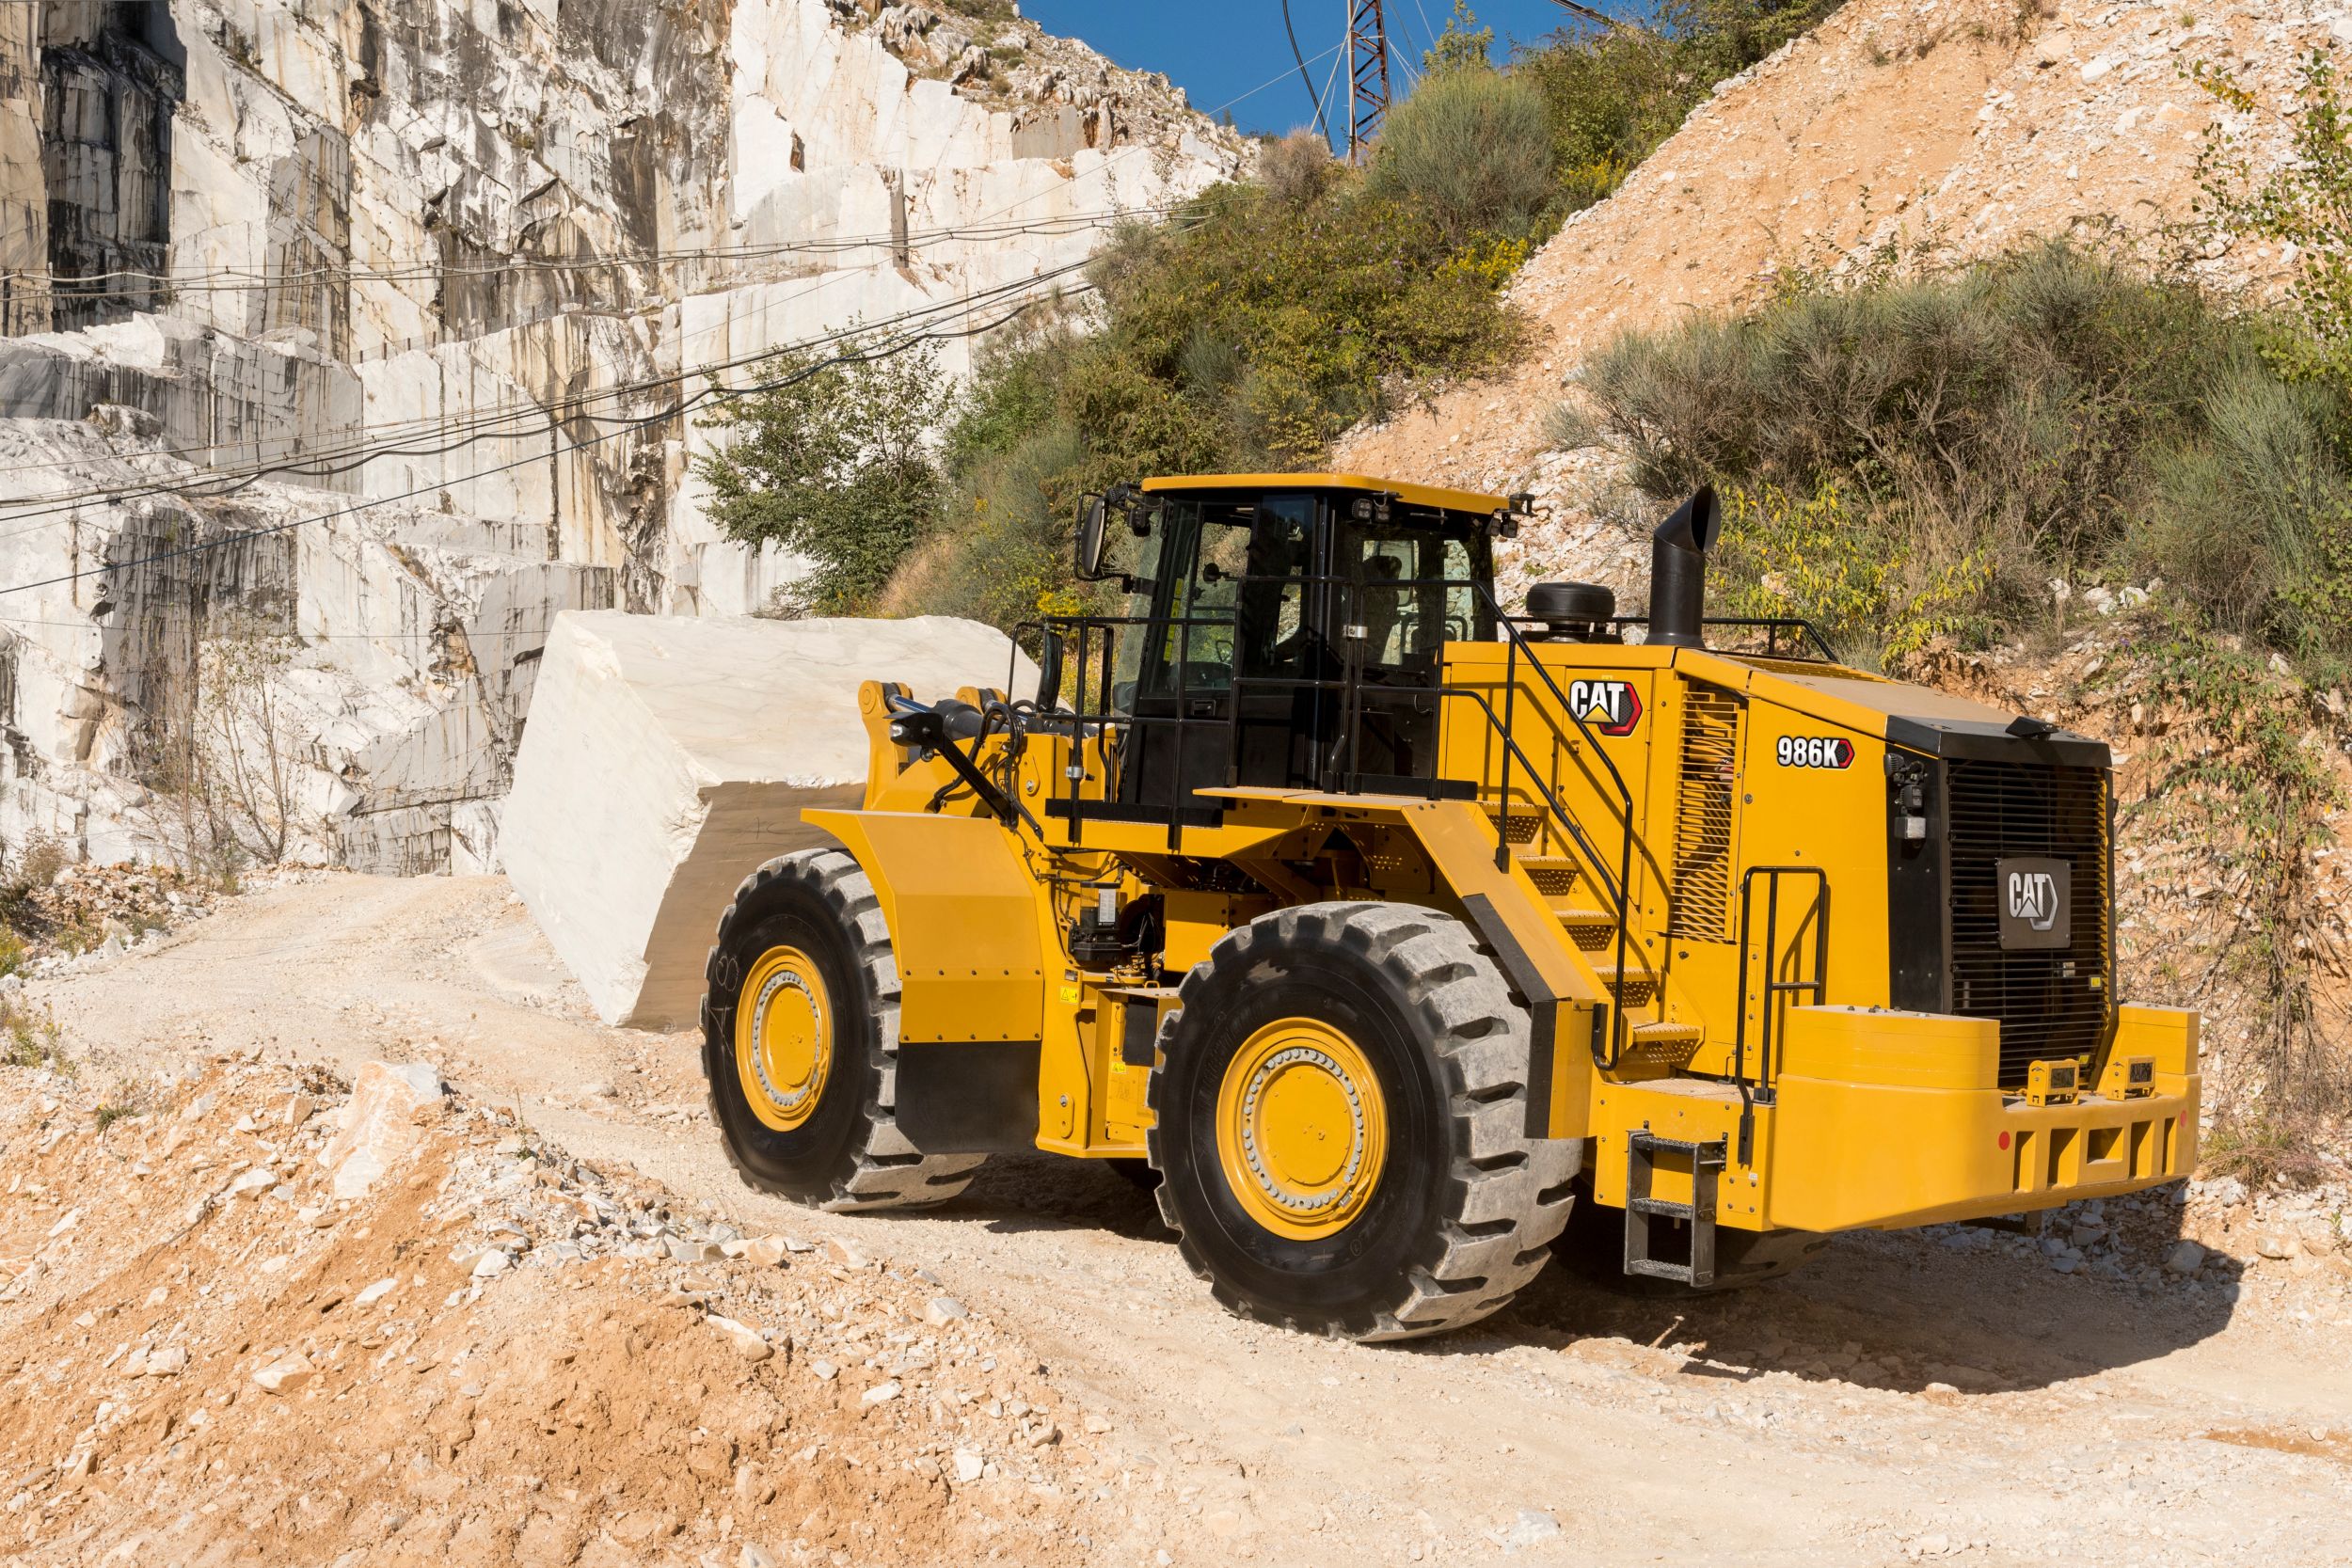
(1549, 863)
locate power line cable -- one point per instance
(1126, 216)
(244, 279)
(1321, 124)
(220, 483)
(680, 407)
(189, 454)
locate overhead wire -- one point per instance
(191, 453)
(244, 279)
(860, 355)
(217, 483)
(1322, 125)
(678, 409)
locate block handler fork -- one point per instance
(1389, 929)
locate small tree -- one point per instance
(254, 774)
(1463, 43)
(2306, 201)
(832, 460)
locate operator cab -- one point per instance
(1265, 608)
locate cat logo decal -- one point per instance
(1610, 708)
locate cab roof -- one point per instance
(1412, 495)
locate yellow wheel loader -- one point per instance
(1390, 929)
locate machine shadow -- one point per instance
(1902, 1311)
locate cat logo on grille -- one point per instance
(1612, 707)
(2033, 898)
(2035, 895)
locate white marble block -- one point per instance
(666, 758)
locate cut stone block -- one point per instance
(665, 759)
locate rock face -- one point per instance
(377, 334)
(667, 758)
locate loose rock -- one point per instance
(286, 1375)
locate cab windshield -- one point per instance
(1242, 587)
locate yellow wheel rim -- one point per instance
(782, 1037)
(1301, 1129)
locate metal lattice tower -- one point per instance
(1367, 75)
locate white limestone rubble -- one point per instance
(667, 758)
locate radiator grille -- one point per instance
(1703, 806)
(2051, 1004)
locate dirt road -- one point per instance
(1918, 1397)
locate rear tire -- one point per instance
(1424, 1205)
(815, 1122)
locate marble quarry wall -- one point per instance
(342, 346)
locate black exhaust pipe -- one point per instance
(1677, 571)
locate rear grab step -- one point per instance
(1642, 1210)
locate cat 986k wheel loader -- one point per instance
(1387, 927)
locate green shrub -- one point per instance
(1471, 147)
(2304, 199)
(30, 1039)
(1877, 593)
(2250, 782)
(2051, 414)
(833, 461)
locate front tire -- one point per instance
(801, 1038)
(1341, 1111)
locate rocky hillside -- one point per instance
(1948, 131)
(406, 316)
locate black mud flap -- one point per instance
(968, 1097)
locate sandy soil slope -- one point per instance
(1946, 1394)
(1956, 127)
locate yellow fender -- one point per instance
(964, 920)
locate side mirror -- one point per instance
(1091, 532)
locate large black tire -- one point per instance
(848, 1153)
(1466, 1206)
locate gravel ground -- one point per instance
(1950, 1394)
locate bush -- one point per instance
(2049, 414)
(1296, 169)
(833, 460)
(1874, 592)
(1472, 148)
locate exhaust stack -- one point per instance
(1677, 571)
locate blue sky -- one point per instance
(1220, 50)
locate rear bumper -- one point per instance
(1885, 1119)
